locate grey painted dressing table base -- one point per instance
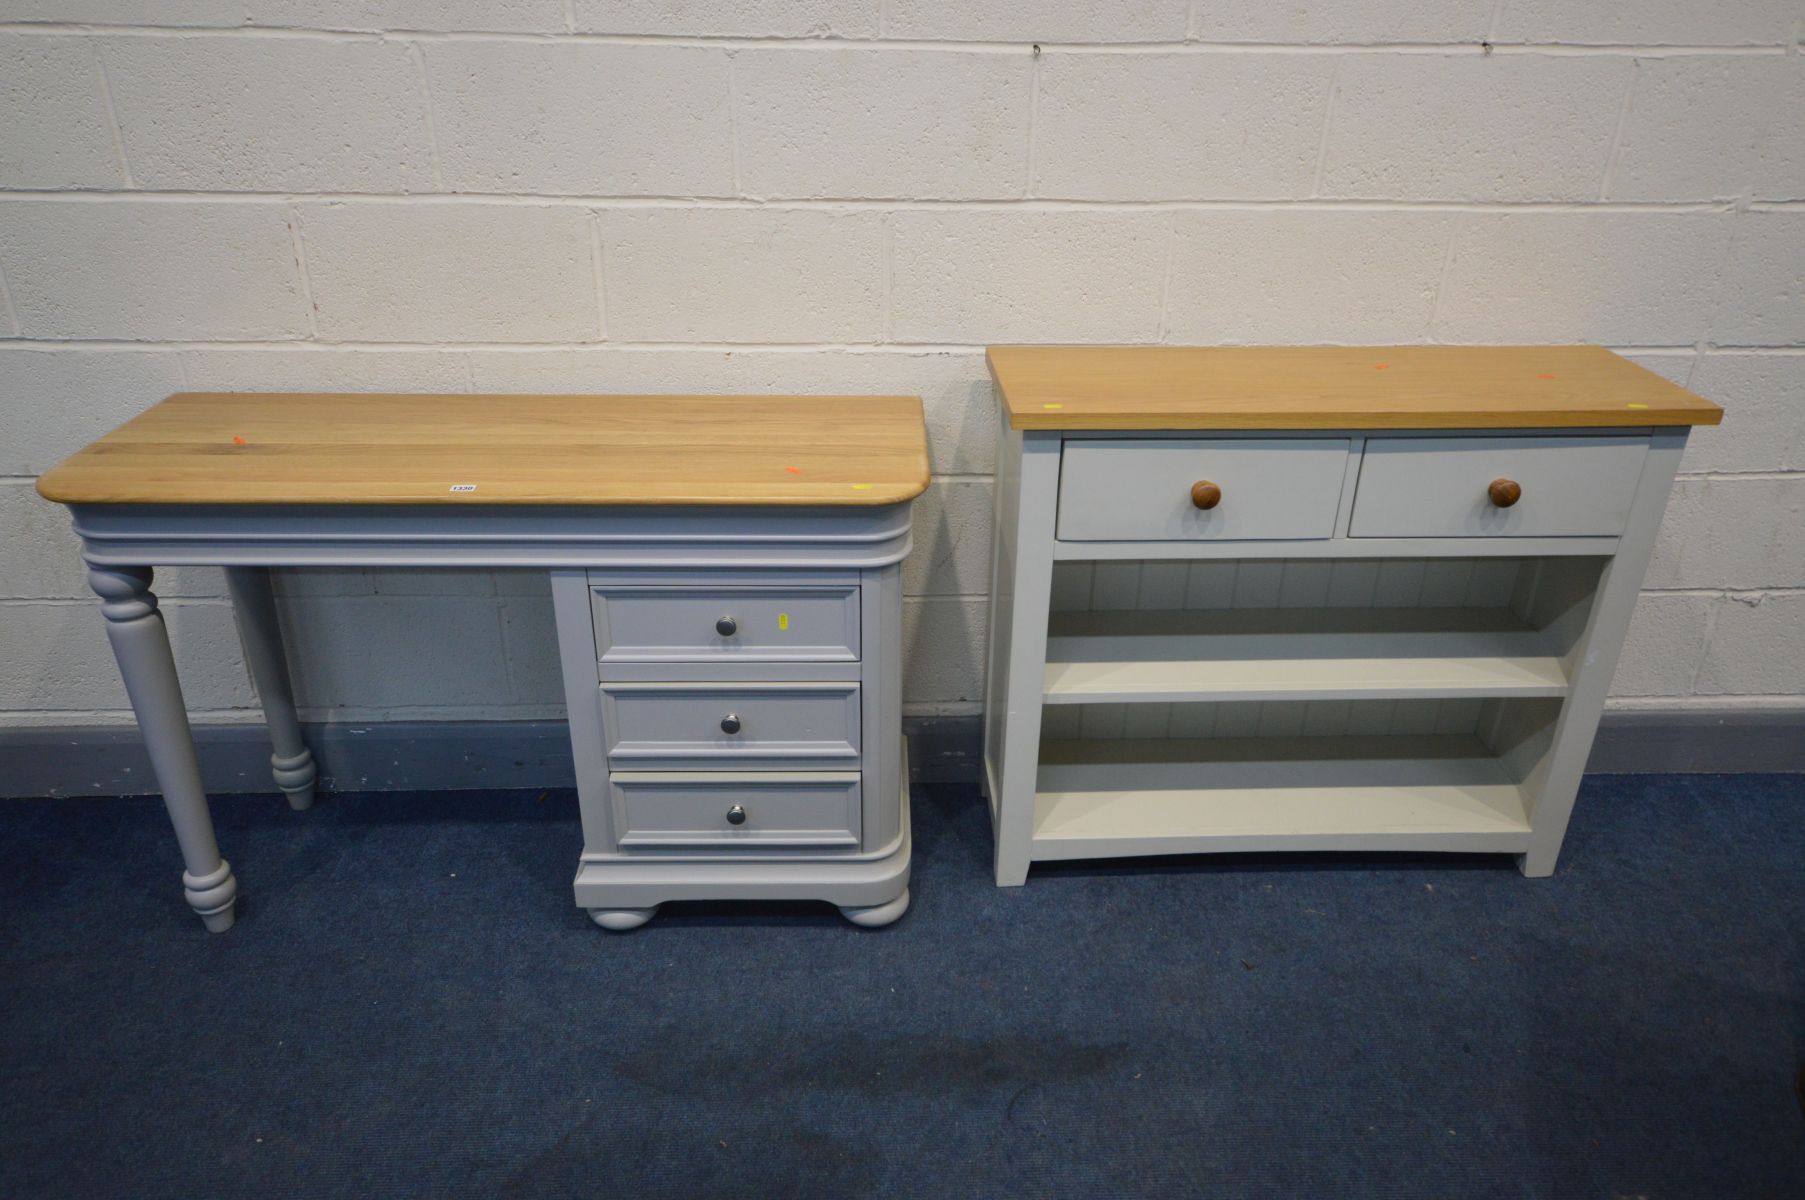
(860, 864)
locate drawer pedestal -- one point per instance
(736, 723)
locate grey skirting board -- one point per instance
(451, 755)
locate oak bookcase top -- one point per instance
(1335, 387)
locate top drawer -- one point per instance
(1441, 487)
(777, 623)
(1141, 489)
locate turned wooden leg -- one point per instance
(254, 604)
(141, 644)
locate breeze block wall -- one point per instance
(858, 195)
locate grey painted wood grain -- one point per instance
(260, 630)
(803, 556)
(1497, 630)
(1436, 487)
(800, 622)
(1596, 653)
(738, 725)
(1272, 489)
(695, 809)
(1030, 464)
(141, 645)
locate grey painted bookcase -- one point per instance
(1267, 599)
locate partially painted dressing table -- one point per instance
(725, 574)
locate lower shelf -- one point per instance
(1098, 799)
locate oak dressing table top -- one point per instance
(283, 448)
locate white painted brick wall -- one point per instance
(1044, 21)
(1311, 22)
(856, 196)
(399, 272)
(730, 274)
(57, 132)
(508, 118)
(1278, 277)
(1649, 22)
(277, 115)
(1623, 278)
(1738, 116)
(1524, 128)
(923, 125)
(142, 270)
(1764, 283)
(729, 18)
(1134, 126)
(1027, 276)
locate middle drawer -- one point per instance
(740, 725)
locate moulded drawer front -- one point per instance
(691, 624)
(731, 724)
(1438, 487)
(698, 810)
(1135, 489)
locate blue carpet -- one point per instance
(411, 1005)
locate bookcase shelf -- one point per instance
(1165, 796)
(1299, 654)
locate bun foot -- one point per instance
(878, 914)
(622, 919)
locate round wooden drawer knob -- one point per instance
(1504, 492)
(1205, 495)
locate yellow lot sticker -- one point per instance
(783, 621)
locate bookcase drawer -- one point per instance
(1193, 489)
(1497, 486)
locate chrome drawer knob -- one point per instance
(736, 815)
(730, 723)
(726, 626)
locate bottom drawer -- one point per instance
(715, 810)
